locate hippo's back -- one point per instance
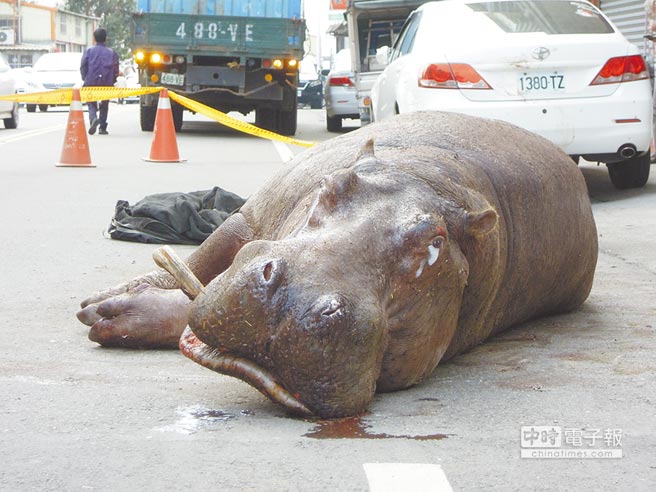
(547, 242)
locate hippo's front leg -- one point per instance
(146, 312)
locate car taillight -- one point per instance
(622, 69)
(452, 76)
(340, 82)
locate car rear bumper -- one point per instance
(596, 125)
(342, 104)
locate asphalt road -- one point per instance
(75, 417)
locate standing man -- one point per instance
(99, 68)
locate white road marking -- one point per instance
(31, 133)
(406, 477)
(282, 148)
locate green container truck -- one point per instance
(230, 55)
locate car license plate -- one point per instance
(299, 92)
(172, 78)
(541, 82)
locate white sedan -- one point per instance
(558, 68)
(56, 71)
(8, 109)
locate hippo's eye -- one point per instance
(435, 249)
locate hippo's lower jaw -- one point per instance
(240, 368)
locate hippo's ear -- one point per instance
(367, 151)
(480, 223)
(334, 188)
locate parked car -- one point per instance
(310, 86)
(339, 92)
(558, 68)
(25, 81)
(56, 71)
(8, 109)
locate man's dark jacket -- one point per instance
(99, 66)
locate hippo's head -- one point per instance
(371, 274)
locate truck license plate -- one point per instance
(541, 82)
(172, 78)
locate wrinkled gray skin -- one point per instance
(378, 254)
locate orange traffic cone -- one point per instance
(165, 146)
(75, 152)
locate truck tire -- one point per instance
(43, 108)
(31, 108)
(177, 112)
(287, 122)
(266, 119)
(631, 173)
(147, 117)
(286, 119)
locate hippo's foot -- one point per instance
(138, 317)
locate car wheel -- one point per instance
(333, 123)
(316, 104)
(147, 116)
(31, 108)
(631, 173)
(43, 107)
(12, 122)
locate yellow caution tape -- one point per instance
(231, 122)
(87, 94)
(59, 96)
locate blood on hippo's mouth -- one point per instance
(244, 369)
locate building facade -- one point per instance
(28, 30)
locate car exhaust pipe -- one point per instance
(627, 151)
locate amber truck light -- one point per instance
(622, 69)
(340, 82)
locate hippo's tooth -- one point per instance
(166, 258)
(238, 367)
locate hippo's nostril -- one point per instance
(268, 268)
(334, 308)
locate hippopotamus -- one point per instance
(373, 257)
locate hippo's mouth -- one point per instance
(241, 368)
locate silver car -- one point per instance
(339, 92)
